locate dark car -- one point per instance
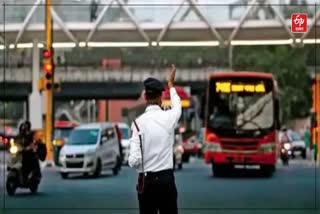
(298, 146)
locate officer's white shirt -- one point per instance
(157, 130)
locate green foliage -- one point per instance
(288, 65)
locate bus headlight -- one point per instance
(267, 148)
(213, 147)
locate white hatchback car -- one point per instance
(90, 149)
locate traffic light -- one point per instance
(48, 67)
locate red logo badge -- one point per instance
(299, 22)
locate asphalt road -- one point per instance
(291, 190)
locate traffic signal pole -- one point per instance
(49, 91)
(317, 103)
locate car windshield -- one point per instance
(295, 136)
(83, 137)
(62, 133)
(125, 133)
(241, 111)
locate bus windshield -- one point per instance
(241, 105)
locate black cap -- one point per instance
(153, 86)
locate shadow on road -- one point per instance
(243, 174)
(19, 194)
(88, 177)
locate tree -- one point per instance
(288, 65)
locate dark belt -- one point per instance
(158, 173)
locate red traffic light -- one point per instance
(47, 54)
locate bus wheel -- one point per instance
(268, 171)
(217, 170)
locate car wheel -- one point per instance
(64, 175)
(116, 169)
(304, 154)
(267, 171)
(120, 160)
(97, 171)
(217, 170)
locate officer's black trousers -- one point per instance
(160, 194)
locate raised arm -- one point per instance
(175, 111)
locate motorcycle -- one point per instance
(16, 177)
(285, 153)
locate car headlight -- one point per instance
(267, 148)
(61, 153)
(287, 146)
(13, 149)
(213, 147)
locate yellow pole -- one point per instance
(48, 124)
(317, 101)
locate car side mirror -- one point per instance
(314, 120)
(111, 136)
(104, 140)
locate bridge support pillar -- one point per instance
(35, 101)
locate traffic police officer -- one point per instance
(151, 149)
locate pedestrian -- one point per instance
(307, 136)
(151, 149)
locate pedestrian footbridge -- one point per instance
(89, 83)
(157, 22)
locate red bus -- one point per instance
(241, 118)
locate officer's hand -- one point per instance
(172, 76)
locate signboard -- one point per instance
(228, 87)
(299, 23)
